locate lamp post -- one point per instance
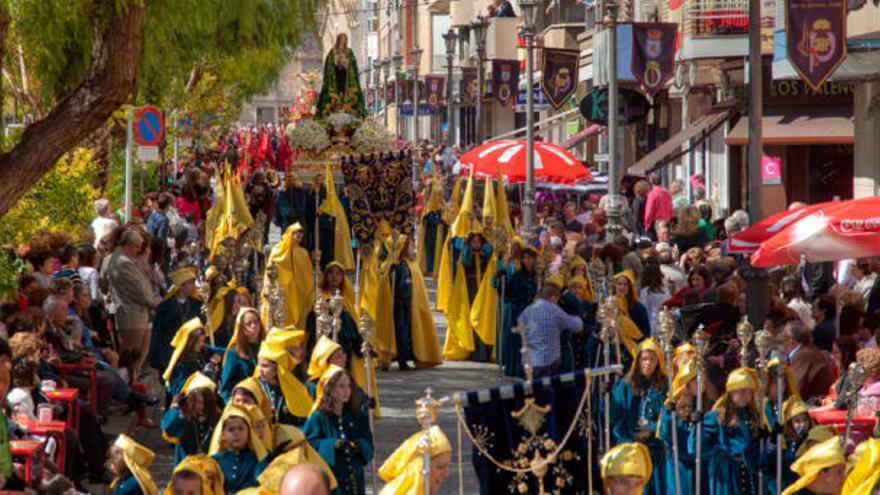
(465, 115)
(615, 213)
(449, 37)
(398, 60)
(377, 75)
(369, 85)
(527, 7)
(479, 27)
(385, 64)
(416, 54)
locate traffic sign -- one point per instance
(149, 126)
(185, 124)
(148, 153)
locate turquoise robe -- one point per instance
(182, 371)
(235, 369)
(730, 455)
(240, 469)
(520, 288)
(686, 460)
(584, 345)
(127, 486)
(189, 437)
(323, 429)
(627, 409)
(280, 413)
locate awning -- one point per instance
(672, 147)
(580, 136)
(799, 125)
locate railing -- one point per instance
(716, 17)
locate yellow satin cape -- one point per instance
(376, 296)
(238, 322)
(179, 343)
(342, 234)
(217, 306)
(820, 456)
(233, 218)
(296, 278)
(435, 203)
(864, 475)
(629, 331)
(137, 459)
(299, 402)
(207, 469)
(484, 311)
(459, 333)
(253, 386)
(403, 468)
(254, 443)
(298, 451)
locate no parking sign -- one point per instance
(149, 126)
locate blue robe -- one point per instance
(520, 288)
(126, 486)
(235, 369)
(730, 455)
(349, 338)
(280, 413)
(182, 371)
(475, 267)
(431, 223)
(240, 469)
(767, 463)
(189, 437)
(686, 460)
(627, 409)
(639, 315)
(402, 283)
(323, 429)
(170, 316)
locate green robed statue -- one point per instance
(341, 90)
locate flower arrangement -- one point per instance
(371, 137)
(342, 121)
(309, 135)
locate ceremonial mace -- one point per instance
(608, 313)
(365, 326)
(856, 377)
(667, 327)
(204, 289)
(780, 386)
(744, 334)
(763, 343)
(336, 306)
(426, 412)
(701, 343)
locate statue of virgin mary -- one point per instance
(341, 89)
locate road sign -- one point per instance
(148, 153)
(186, 125)
(149, 126)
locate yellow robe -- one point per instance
(296, 278)
(459, 333)
(484, 311)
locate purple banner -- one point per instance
(505, 80)
(653, 62)
(434, 89)
(389, 91)
(815, 36)
(559, 75)
(468, 90)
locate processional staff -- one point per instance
(763, 343)
(855, 378)
(779, 346)
(667, 328)
(426, 412)
(701, 343)
(365, 327)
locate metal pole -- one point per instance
(397, 107)
(385, 93)
(529, 199)
(614, 208)
(415, 110)
(756, 278)
(129, 137)
(176, 140)
(450, 109)
(780, 388)
(481, 82)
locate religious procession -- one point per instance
(326, 264)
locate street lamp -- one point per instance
(527, 7)
(615, 209)
(449, 37)
(374, 79)
(369, 75)
(398, 61)
(384, 64)
(480, 26)
(416, 54)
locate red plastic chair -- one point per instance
(70, 398)
(54, 429)
(66, 369)
(31, 451)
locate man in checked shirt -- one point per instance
(546, 322)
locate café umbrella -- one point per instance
(552, 163)
(837, 230)
(749, 240)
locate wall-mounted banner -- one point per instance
(468, 86)
(815, 35)
(653, 55)
(389, 91)
(434, 87)
(559, 75)
(505, 80)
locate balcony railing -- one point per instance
(716, 17)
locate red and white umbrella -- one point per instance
(749, 240)
(552, 163)
(838, 230)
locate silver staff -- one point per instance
(856, 377)
(763, 343)
(667, 327)
(744, 333)
(336, 306)
(701, 343)
(365, 327)
(426, 412)
(780, 342)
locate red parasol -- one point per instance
(837, 230)
(749, 240)
(552, 163)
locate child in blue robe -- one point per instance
(240, 359)
(519, 289)
(189, 422)
(237, 449)
(129, 462)
(340, 431)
